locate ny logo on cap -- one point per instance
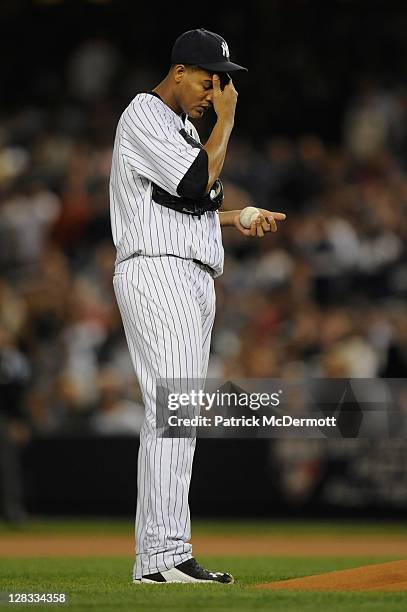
(225, 49)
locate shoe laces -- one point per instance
(197, 567)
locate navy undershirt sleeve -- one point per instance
(193, 184)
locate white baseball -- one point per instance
(248, 215)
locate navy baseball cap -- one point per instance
(204, 49)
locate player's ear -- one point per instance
(179, 72)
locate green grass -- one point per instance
(226, 527)
(103, 584)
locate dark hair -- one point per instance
(224, 76)
(192, 67)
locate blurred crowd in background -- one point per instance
(320, 133)
(323, 297)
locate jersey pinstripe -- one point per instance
(168, 308)
(167, 305)
(150, 148)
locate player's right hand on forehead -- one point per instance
(217, 82)
(224, 102)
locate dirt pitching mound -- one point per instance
(382, 577)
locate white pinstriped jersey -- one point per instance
(150, 149)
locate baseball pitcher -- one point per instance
(165, 196)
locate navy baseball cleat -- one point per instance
(188, 572)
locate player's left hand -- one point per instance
(265, 222)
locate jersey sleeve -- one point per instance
(154, 147)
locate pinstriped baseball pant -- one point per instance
(167, 305)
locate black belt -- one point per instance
(204, 266)
(197, 261)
